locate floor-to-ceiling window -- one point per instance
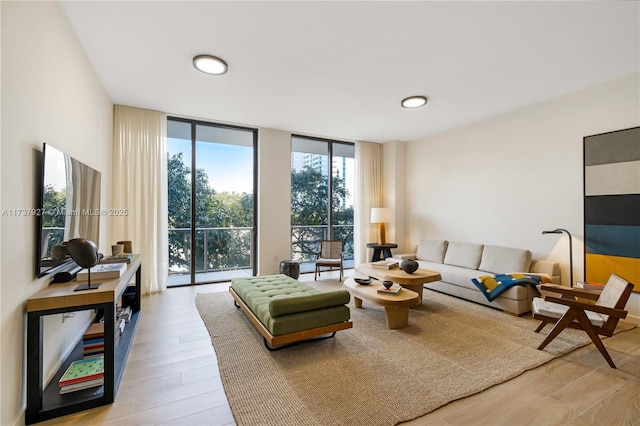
(210, 212)
(322, 194)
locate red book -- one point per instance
(93, 347)
(81, 379)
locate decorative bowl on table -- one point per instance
(409, 266)
(387, 284)
(363, 281)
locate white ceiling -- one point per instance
(340, 69)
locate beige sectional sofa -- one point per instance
(459, 262)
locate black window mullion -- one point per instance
(330, 203)
(193, 203)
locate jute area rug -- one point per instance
(370, 375)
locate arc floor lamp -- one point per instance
(560, 231)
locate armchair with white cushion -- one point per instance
(596, 319)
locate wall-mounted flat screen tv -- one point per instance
(69, 208)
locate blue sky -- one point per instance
(229, 167)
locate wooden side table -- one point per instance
(381, 251)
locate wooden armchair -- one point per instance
(329, 256)
(596, 319)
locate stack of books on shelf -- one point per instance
(385, 264)
(82, 374)
(103, 271)
(93, 340)
(125, 258)
(123, 313)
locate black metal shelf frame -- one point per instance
(49, 403)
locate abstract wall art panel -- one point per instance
(612, 206)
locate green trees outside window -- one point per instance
(310, 213)
(225, 248)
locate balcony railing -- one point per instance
(305, 240)
(217, 249)
(229, 248)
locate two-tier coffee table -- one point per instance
(396, 306)
(413, 281)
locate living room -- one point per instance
(500, 178)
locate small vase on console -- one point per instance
(409, 266)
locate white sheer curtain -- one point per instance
(368, 194)
(140, 186)
(83, 192)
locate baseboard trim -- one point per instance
(632, 319)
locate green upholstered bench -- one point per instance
(285, 311)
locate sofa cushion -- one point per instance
(432, 250)
(461, 277)
(452, 274)
(496, 259)
(466, 255)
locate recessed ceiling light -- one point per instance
(210, 64)
(414, 101)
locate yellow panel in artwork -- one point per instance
(599, 267)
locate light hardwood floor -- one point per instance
(172, 378)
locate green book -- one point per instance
(83, 369)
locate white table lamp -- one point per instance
(381, 215)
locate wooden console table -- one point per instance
(59, 298)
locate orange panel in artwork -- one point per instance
(600, 267)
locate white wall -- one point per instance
(1, 315)
(274, 202)
(50, 93)
(394, 193)
(504, 180)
